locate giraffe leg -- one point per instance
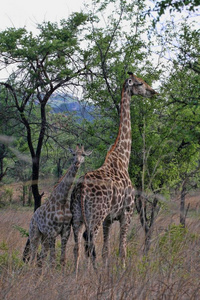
(34, 243)
(106, 234)
(92, 250)
(77, 237)
(64, 238)
(90, 241)
(44, 251)
(34, 237)
(90, 247)
(124, 225)
(26, 253)
(52, 247)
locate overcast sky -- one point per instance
(20, 13)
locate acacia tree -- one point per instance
(116, 43)
(39, 66)
(181, 89)
(183, 114)
(5, 131)
(163, 6)
(166, 156)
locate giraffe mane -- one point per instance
(112, 148)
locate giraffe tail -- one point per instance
(26, 253)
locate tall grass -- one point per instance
(171, 270)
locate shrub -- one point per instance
(23, 232)
(6, 195)
(9, 260)
(173, 238)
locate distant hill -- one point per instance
(65, 103)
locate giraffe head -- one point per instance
(79, 154)
(136, 86)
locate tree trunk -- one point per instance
(59, 169)
(37, 196)
(147, 222)
(183, 210)
(29, 196)
(35, 177)
(141, 209)
(24, 188)
(147, 242)
(2, 156)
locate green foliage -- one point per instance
(23, 232)
(111, 58)
(46, 57)
(41, 65)
(3, 246)
(168, 255)
(9, 260)
(143, 266)
(172, 240)
(166, 129)
(161, 7)
(172, 246)
(6, 194)
(69, 264)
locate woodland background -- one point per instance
(64, 87)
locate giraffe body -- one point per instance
(106, 194)
(53, 218)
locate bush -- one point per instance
(9, 260)
(6, 195)
(172, 240)
(23, 232)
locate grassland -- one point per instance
(170, 271)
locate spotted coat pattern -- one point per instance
(53, 218)
(106, 194)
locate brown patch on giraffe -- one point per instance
(98, 194)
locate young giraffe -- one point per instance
(54, 216)
(107, 194)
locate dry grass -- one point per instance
(171, 270)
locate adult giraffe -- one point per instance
(106, 194)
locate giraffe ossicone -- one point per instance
(106, 194)
(53, 218)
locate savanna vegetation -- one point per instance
(87, 56)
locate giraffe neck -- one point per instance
(63, 187)
(121, 149)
